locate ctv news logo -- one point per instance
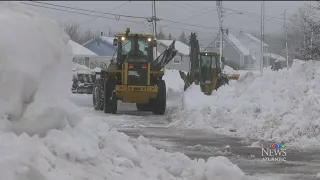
(277, 153)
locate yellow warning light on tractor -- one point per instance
(149, 39)
(123, 38)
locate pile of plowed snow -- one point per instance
(35, 71)
(174, 83)
(281, 105)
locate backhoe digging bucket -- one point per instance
(185, 79)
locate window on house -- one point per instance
(177, 59)
(86, 61)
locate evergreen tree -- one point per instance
(161, 35)
(183, 38)
(110, 34)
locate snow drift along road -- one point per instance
(281, 105)
(35, 72)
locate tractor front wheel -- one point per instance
(159, 104)
(97, 95)
(110, 100)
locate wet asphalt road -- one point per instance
(300, 165)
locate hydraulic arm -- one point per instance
(204, 69)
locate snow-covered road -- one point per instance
(204, 143)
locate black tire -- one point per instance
(97, 95)
(110, 101)
(159, 104)
(144, 107)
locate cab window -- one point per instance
(207, 61)
(127, 46)
(143, 45)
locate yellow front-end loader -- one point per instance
(134, 76)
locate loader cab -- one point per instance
(209, 65)
(134, 47)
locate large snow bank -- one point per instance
(33, 71)
(281, 105)
(92, 150)
(173, 80)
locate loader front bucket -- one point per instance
(234, 76)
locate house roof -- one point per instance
(106, 39)
(246, 43)
(80, 50)
(180, 46)
(244, 50)
(275, 56)
(255, 39)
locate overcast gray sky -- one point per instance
(204, 21)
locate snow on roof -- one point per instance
(80, 50)
(238, 44)
(103, 38)
(180, 47)
(255, 39)
(78, 67)
(107, 39)
(275, 56)
(97, 69)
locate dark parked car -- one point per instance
(83, 83)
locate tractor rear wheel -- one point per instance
(159, 104)
(144, 107)
(110, 101)
(97, 95)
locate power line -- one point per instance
(109, 17)
(175, 4)
(92, 11)
(193, 5)
(107, 12)
(246, 12)
(190, 17)
(100, 16)
(190, 30)
(137, 22)
(78, 12)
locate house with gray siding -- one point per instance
(242, 50)
(181, 60)
(102, 45)
(81, 55)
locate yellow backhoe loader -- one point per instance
(205, 69)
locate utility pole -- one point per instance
(219, 5)
(285, 28)
(262, 38)
(311, 43)
(154, 26)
